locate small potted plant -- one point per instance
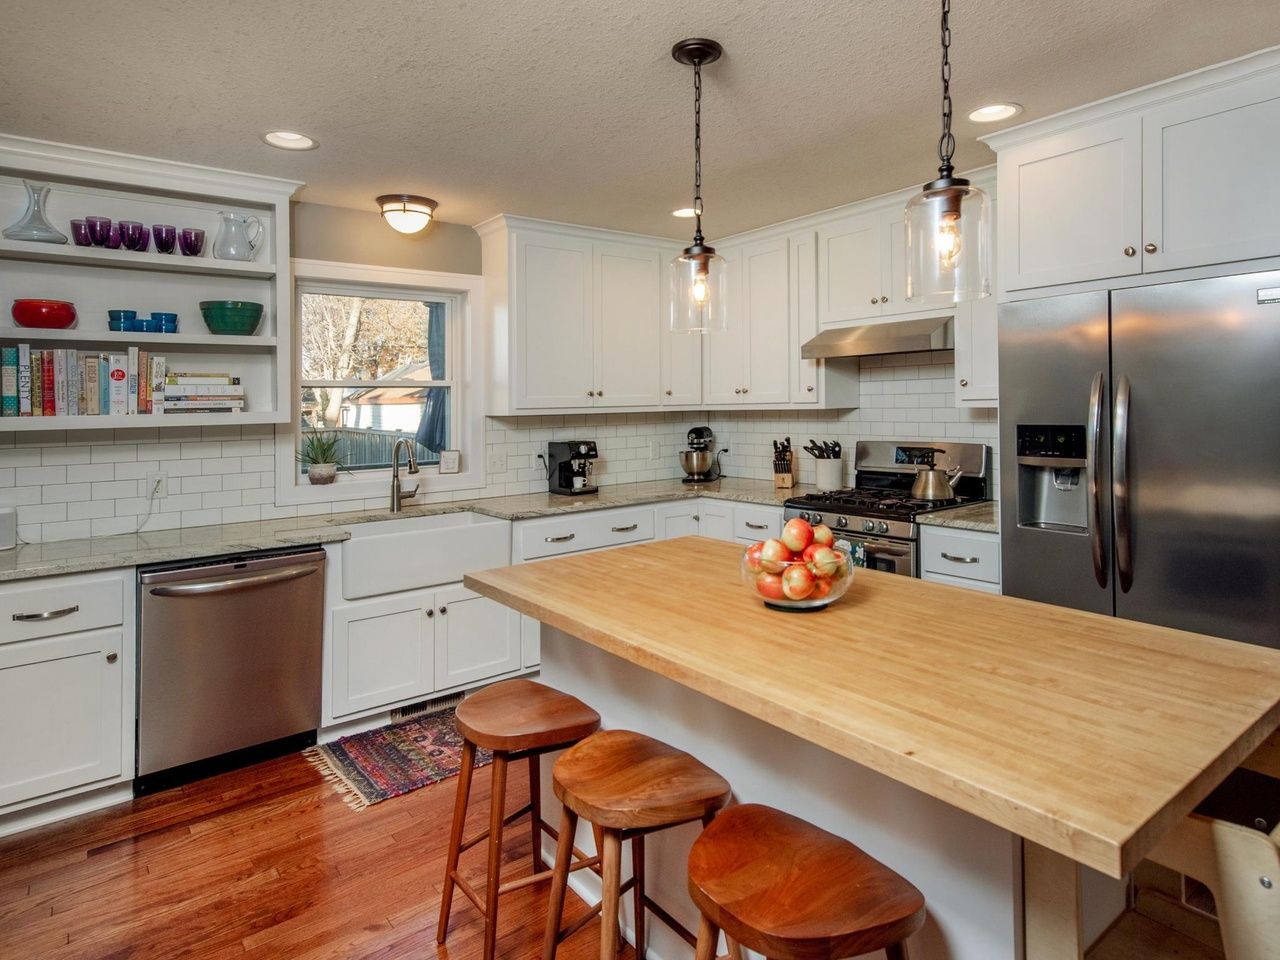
(320, 453)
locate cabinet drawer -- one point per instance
(48, 607)
(757, 523)
(560, 535)
(969, 556)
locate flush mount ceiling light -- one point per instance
(995, 112)
(288, 140)
(685, 213)
(406, 212)
(698, 285)
(949, 221)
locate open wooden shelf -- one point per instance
(152, 341)
(175, 262)
(110, 422)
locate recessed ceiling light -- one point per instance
(288, 140)
(685, 213)
(995, 112)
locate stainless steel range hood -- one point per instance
(875, 339)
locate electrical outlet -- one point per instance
(497, 461)
(156, 481)
(655, 451)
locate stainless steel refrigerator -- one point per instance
(1140, 454)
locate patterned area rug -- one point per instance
(379, 764)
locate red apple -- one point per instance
(823, 536)
(809, 551)
(753, 557)
(821, 588)
(797, 534)
(774, 556)
(797, 582)
(769, 585)
(826, 562)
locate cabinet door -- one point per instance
(60, 710)
(977, 360)
(715, 520)
(766, 269)
(555, 354)
(724, 354)
(804, 315)
(476, 638)
(1071, 206)
(627, 282)
(1210, 190)
(381, 652)
(677, 520)
(681, 355)
(849, 269)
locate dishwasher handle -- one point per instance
(202, 588)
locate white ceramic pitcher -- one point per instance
(235, 241)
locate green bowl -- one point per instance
(231, 317)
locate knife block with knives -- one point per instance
(784, 465)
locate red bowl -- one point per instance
(45, 314)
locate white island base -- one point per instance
(968, 870)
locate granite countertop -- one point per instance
(983, 517)
(105, 553)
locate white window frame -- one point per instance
(467, 348)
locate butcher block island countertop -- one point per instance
(1087, 735)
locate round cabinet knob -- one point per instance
(443, 611)
(591, 393)
(875, 300)
(668, 393)
(744, 389)
(1149, 247)
(809, 388)
(737, 390)
(430, 613)
(884, 299)
(1130, 252)
(599, 393)
(112, 657)
(963, 382)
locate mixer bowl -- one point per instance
(697, 463)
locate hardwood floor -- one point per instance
(266, 862)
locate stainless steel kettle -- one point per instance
(934, 483)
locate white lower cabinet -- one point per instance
(476, 638)
(715, 520)
(676, 520)
(961, 558)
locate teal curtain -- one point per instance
(433, 429)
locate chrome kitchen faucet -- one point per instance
(397, 497)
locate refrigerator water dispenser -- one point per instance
(1052, 492)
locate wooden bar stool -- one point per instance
(516, 719)
(627, 785)
(791, 891)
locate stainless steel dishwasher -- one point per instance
(229, 663)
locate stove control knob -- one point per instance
(869, 526)
(804, 514)
(882, 527)
(841, 522)
(814, 518)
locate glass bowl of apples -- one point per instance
(799, 571)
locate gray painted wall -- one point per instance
(362, 236)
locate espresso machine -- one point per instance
(569, 467)
(701, 462)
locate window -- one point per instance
(377, 366)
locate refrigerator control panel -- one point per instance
(1058, 442)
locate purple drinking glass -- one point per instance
(191, 241)
(144, 240)
(113, 238)
(80, 234)
(130, 231)
(165, 236)
(99, 230)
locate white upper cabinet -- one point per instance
(766, 310)
(1071, 206)
(850, 260)
(977, 367)
(628, 324)
(1210, 190)
(724, 355)
(552, 294)
(681, 356)
(804, 315)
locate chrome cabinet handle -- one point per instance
(756, 526)
(562, 539)
(233, 584)
(1130, 252)
(443, 610)
(954, 559)
(626, 529)
(964, 382)
(1093, 441)
(47, 615)
(1120, 491)
(1149, 247)
(112, 657)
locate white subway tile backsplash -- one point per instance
(35, 476)
(113, 453)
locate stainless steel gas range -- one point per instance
(878, 511)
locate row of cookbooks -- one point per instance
(58, 383)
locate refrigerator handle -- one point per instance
(1093, 441)
(1120, 490)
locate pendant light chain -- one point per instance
(697, 150)
(947, 142)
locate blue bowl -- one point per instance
(150, 326)
(132, 326)
(163, 317)
(122, 314)
(116, 325)
(169, 327)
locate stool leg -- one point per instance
(708, 939)
(535, 812)
(896, 952)
(455, 836)
(559, 881)
(637, 891)
(735, 951)
(497, 812)
(611, 881)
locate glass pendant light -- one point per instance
(949, 222)
(698, 283)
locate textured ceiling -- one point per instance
(573, 109)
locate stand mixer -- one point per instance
(699, 462)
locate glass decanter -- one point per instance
(33, 225)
